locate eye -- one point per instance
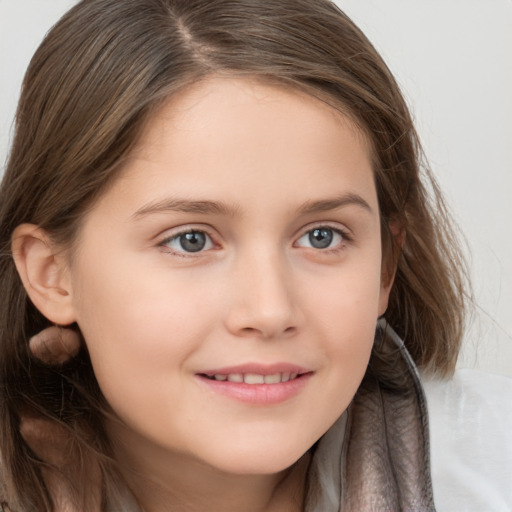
(321, 238)
(189, 241)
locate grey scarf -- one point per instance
(376, 457)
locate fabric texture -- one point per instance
(378, 458)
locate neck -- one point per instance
(176, 482)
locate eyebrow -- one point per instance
(324, 205)
(206, 207)
(186, 206)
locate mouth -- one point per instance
(256, 384)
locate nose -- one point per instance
(263, 302)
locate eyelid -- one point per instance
(335, 226)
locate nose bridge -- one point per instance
(263, 300)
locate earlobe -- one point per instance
(44, 273)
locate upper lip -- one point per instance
(257, 368)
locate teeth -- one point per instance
(273, 379)
(255, 378)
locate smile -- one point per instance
(257, 385)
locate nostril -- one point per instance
(249, 330)
(269, 333)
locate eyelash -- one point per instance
(341, 245)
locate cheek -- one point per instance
(137, 327)
(346, 314)
(346, 300)
(139, 343)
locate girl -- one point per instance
(223, 203)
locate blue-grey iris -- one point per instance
(192, 242)
(321, 238)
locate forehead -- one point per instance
(224, 138)
(218, 104)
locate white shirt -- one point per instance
(470, 421)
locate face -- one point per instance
(229, 282)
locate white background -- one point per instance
(453, 60)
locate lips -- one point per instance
(257, 384)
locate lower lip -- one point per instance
(258, 394)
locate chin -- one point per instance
(260, 462)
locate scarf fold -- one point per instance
(386, 453)
(376, 457)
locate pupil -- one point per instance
(193, 241)
(320, 238)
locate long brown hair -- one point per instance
(91, 86)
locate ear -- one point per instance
(44, 272)
(389, 263)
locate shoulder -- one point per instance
(470, 419)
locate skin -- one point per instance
(154, 316)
